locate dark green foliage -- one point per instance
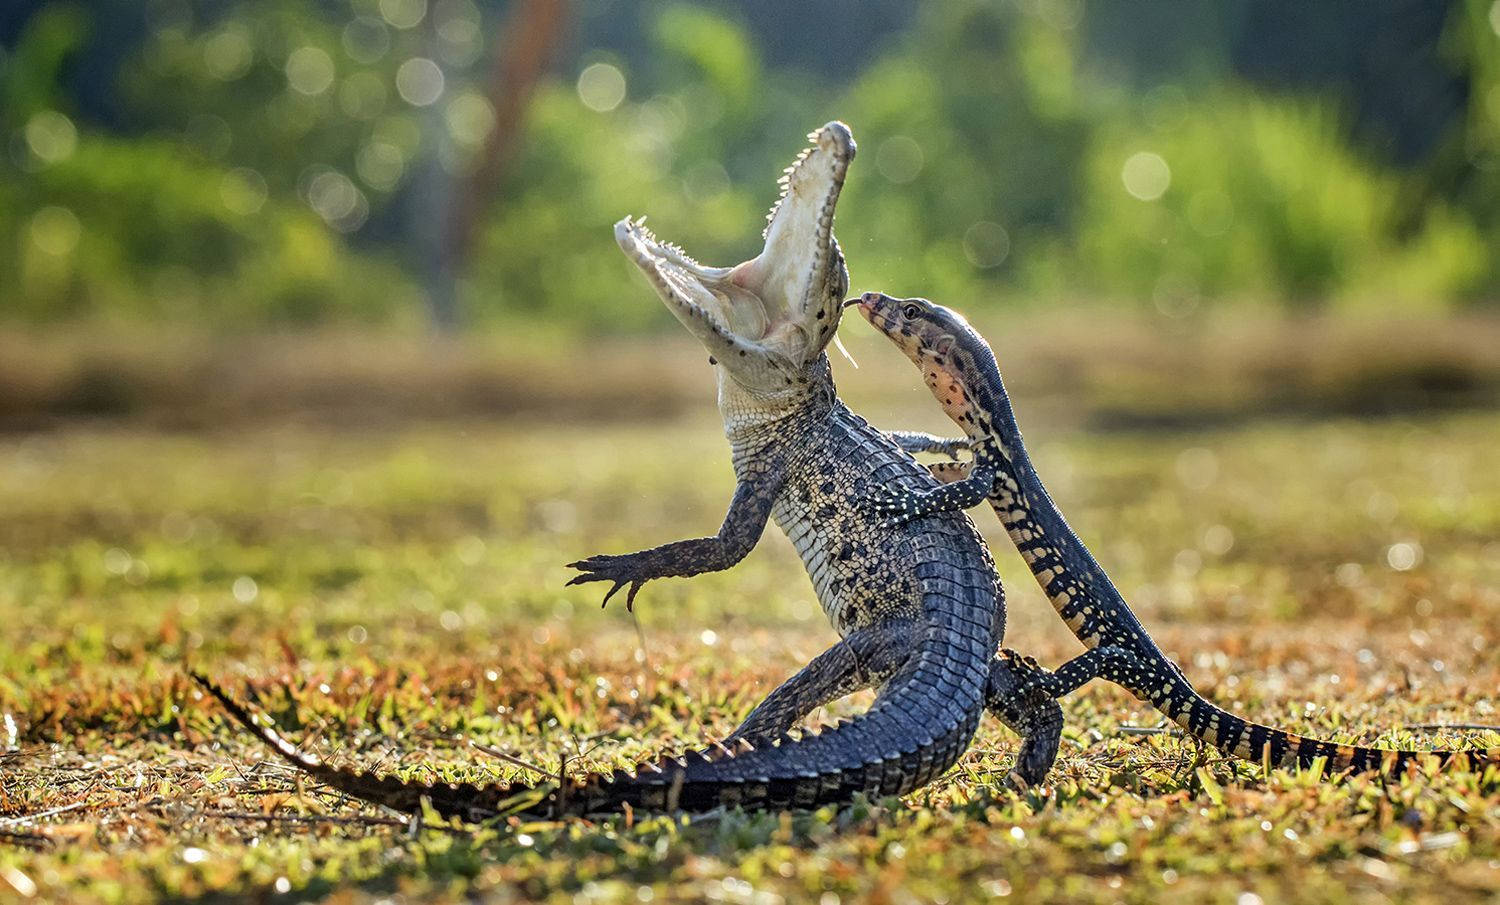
(258, 162)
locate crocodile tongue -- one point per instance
(766, 318)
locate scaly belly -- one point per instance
(861, 570)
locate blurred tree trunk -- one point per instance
(528, 40)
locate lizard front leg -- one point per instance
(865, 657)
(742, 528)
(904, 505)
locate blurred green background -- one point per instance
(237, 164)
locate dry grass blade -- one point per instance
(27, 818)
(518, 762)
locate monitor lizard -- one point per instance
(960, 369)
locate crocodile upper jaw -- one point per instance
(765, 319)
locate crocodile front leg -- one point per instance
(742, 528)
(866, 657)
(920, 442)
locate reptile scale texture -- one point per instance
(959, 367)
(917, 605)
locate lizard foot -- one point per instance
(623, 569)
(897, 506)
(1038, 683)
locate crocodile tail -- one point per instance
(875, 754)
(468, 800)
(1278, 748)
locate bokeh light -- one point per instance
(458, 25)
(419, 81)
(1146, 176)
(986, 244)
(899, 159)
(309, 70)
(210, 134)
(706, 180)
(55, 230)
(403, 14)
(365, 39)
(51, 136)
(337, 200)
(363, 95)
(243, 191)
(601, 87)
(380, 165)
(229, 52)
(470, 118)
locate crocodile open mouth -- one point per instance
(783, 304)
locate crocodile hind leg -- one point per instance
(864, 658)
(1017, 695)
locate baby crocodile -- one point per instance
(917, 605)
(960, 369)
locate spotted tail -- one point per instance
(1278, 748)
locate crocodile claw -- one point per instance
(622, 570)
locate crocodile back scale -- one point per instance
(960, 369)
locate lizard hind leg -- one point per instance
(866, 657)
(1018, 695)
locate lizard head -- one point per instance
(937, 339)
(766, 321)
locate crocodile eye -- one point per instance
(911, 311)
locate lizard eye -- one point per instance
(911, 311)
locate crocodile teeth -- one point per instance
(779, 304)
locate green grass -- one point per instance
(391, 594)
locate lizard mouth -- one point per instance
(781, 306)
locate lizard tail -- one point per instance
(1257, 743)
